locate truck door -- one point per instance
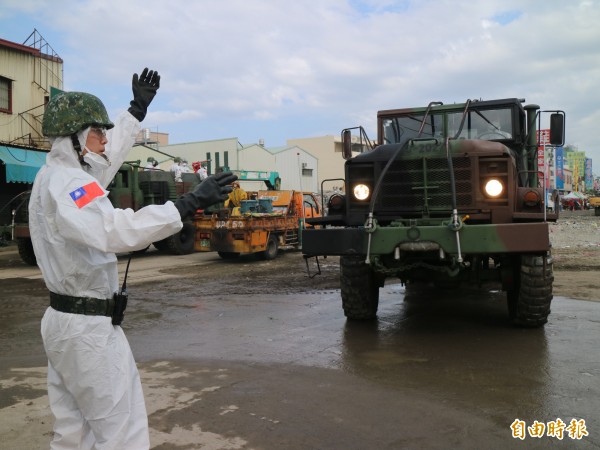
(311, 206)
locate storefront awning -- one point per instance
(22, 165)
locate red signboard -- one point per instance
(543, 137)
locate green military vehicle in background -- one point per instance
(450, 194)
(131, 188)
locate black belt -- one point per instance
(82, 305)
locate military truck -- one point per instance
(18, 229)
(448, 194)
(130, 188)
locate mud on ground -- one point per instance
(576, 273)
(575, 242)
(576, 252)
(286, 274)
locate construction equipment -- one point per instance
(594, 202)
(130, 188)
(451, 194)
(269, 220)
(271, 179)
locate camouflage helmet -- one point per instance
(150, 159)
(70, 112)
(177, 159)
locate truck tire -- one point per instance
(182, 243)
(529, 299)
(161, 246)
(139, 252)
(359, 288)
(597, 211)
(271, 250)
(26, 252)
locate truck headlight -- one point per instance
(361, 192)
(493, 188)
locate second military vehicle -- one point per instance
(131, 188)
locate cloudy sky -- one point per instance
(281, 69)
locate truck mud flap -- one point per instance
(318, 272)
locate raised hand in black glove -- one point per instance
(144, 89)
(213, 189)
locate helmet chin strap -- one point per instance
(77, 148)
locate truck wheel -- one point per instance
(360, 288)
(272, 249)
(139, 252)
(529, 299)
(26, 252)
(597, 211)
(182, 243)
(161, 246)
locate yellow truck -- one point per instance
(268, 221)
(594, 202)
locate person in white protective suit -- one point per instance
(151, 164)
(202, 173)
(176, 169)
(94, 388)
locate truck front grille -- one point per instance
(424, 184)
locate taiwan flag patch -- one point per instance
(85, 194)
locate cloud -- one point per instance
(167, 117)
(261, 62)
(506, 17)
(10, 7)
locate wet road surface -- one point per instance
(272, 370)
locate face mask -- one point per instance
(96, 161)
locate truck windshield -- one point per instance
(487, 124)
(400, 129)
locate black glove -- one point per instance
(144, 89)
(212, 190)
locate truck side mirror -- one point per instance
(557, 129)
(347, 144)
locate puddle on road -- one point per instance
(25, 403)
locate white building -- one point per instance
(328, 151)
(217, 153)
(297, 168)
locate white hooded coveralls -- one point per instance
(94, 387)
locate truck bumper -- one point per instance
(474, 239)
(239, 242)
